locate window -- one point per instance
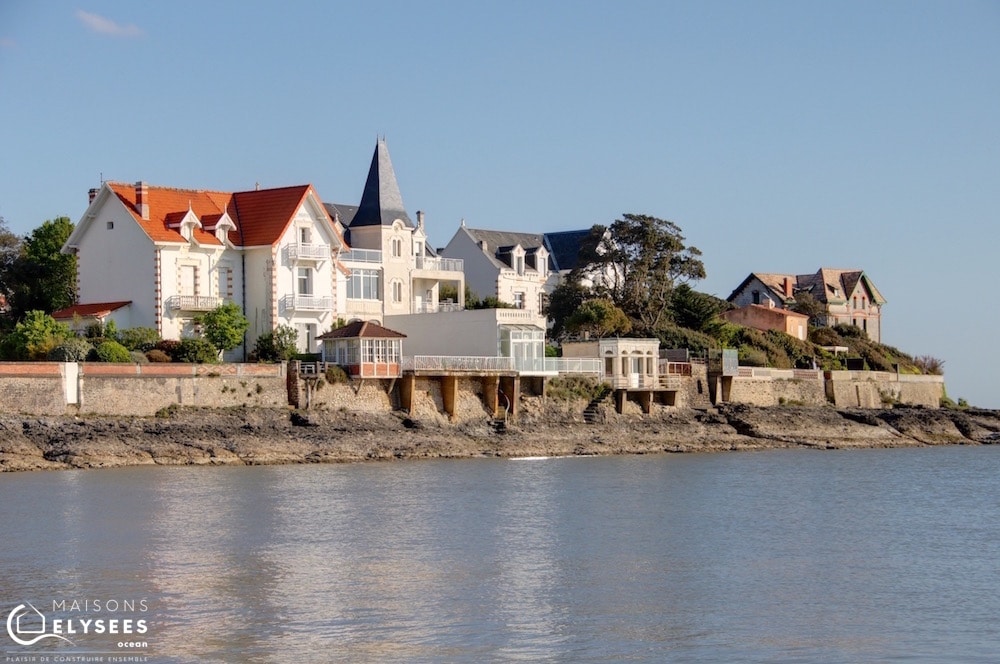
(543, 300)
(519, 262)
(111, 225)
(225, 282)
(397, 291)
(305, 281)
(519, 300)
(364, 285)
(397, 247)
(305, 236)
(756, 297)
(188, 280)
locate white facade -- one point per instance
(628, 362)
(471, 333)
(173, 265)
(517, 273)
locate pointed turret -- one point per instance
(381, 202)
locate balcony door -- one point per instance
(188, 280)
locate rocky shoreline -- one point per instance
(256, 436)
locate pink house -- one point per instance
(762, 317)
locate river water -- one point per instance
(778, 556)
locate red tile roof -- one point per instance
(362, 330)
(261, 216)
(95, 309)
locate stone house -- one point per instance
(847, 297)
(629, 363)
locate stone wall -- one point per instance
(367, 396)
(876, 389)
(55, 388)
(32, 388)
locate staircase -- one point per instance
(590, 413)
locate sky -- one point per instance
(780, 136)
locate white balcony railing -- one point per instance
(193, 302)
(315, 252)
(440, 264)
(440, 307)
(307, 303)
(457, 363)
(361, 256)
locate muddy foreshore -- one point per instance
(254, 437)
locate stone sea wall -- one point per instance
(56, 388)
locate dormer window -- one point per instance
(519, 265)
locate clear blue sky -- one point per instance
(780, 136)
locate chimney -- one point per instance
(420, 219)
(142, 199)
(788, 287)
(93, 194)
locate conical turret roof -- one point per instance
(381, 202)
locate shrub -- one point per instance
(36, 335)
(567, 388)
(170, 347)
(138, 338)
(71, 350)
(157, 355)
(279, 345)
(336, 374)
(929, 365)
(850, 331)
(752, 357)
(196, 350)
(225, 326)
(138, 357)
(111, 351)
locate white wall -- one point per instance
(116, 264)
(480, 271)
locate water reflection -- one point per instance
(854, 556)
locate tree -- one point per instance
(806, 304)
(599, 317)
(564, 300)
(695, 310)
(41, 277)
(637, 265)
(10, 249)
(281, 344)
(35, 336)
(225, 326)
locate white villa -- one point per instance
(390, 268)
(173, 254)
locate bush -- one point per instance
(196, 350)
(170, 347)
(111, 351)
(568, 388)
(336, 374)
(279, 345)
(157, 355)
(71, 350)
(138, 357)
(138, 338)
(825, 336)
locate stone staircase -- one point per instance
(591, 414)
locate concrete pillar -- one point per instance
(645, 400)
(491, 400)
(511, 388)
(620, 396)
(449, 394)
(407, 385)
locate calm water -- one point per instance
(784, 556)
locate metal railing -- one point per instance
(361, 256)
(560, 365)
(440, 264)
(440, 307)
(471, 363)
(193, 302)
(307, 303)
(308, 251)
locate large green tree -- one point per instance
(10, 249)
(225, 326)
(636, 262)
(598, 317)
(41, 277)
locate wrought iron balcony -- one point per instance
(307, 303)
(193, 302)
(312, 252)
